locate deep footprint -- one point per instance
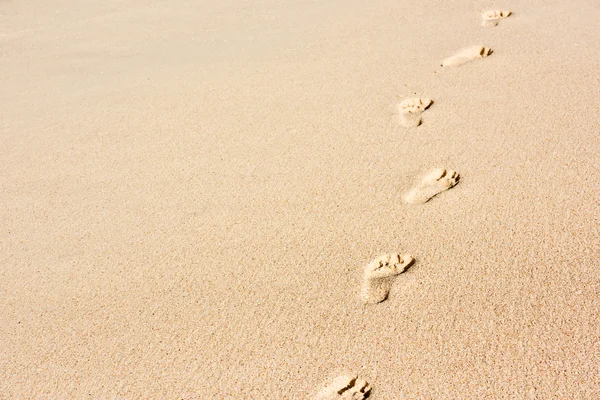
(492, 17)
(345, 387)
(379, 276)
(410, 111)
(435, 182)
(466, 55)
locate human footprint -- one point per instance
(410, 111)
(492, 17)
(379, 276)
(466, 55)
(345, 387)
(435, 182)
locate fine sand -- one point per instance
(190, 192)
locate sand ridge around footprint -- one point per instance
(410, 111)
(466, 55)
(435, 182)
(345, 387)
(492, 17)
(379, 275)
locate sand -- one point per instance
(189, 193)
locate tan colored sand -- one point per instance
(189, 192)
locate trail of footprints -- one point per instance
(380, 274)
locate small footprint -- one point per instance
(435, 182)
(466, 55)
(379, 276)
(410, 111)
(492, 17)
(345, 387)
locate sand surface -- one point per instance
(190, 190)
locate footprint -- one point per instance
(414, 105)
(410, 111)
(345, 387)
(492, 17)
(466, 55)
(379, 276)
(436, 181)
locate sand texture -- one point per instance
(190, 192)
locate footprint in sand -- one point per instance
(435, 182)
(345, 387)
(410, 111)
(492, 17)
(379, 276)
(466, 55)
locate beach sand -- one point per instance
(190, 191)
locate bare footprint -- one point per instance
(492, 17)
(414, 105)
(466, 55)
(379, 276)
(410, 111)
(345, 387)
(435, 182)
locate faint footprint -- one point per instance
(436, 181)
(379, 276)
(410, 111)
(345, 387)
(466, 55)
(492, 17)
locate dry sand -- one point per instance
(189, 192)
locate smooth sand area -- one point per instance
(190, 190)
